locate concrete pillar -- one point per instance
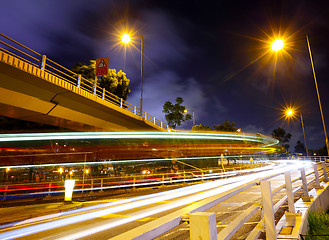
(324, 168)
(290, 194)
(316, 175)
(203, 226)
(268, 212)
(304, 182)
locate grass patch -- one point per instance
(318, 224)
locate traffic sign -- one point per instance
(102, 65)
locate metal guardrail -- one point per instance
(162, 225)
(35, 59)
(88, 184)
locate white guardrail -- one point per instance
(203, 224)
(31, 61)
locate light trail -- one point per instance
(114, 162)
(201, 191)
(152, 183)
(130, 135)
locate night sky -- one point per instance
(214, 54)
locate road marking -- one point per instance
(113, 215)
(146, 219)
(164, 201)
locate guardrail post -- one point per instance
(103, 94)
(304, 183)
(290, 194)
(154, 120)
(145, 116)
(163, 180)
(161, 125)
(43, 62)
(121, 101)
(92, 186)
(316, 174)
(49, 189)
(268, 210)
(203, 226)
(79, 80)
(324, 169)
(95, 85)
(135, 110)
(101, 185)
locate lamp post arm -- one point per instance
(141, 104)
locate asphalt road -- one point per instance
(110, 218)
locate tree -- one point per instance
(114, 82)
(319, 152)
(174, 113)
(300, 148)
(201, 127)
(226, 126)
(282, 136)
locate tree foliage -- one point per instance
(319, 152)
(282, 136)
(174, 113)
(300, 148)
(201, 127)
(114, 82)
(226, 126)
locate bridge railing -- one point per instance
(53, 185)
(207, 226)
(29, 56)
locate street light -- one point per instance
(291, 113)
(278, 45)
(185, 111)
(126, 38)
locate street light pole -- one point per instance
(301, 120)
(126, 39)
(290, 112)
(318, 94)
(141, 104)
(193, 119)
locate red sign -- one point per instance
(102, 65)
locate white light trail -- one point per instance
(207, 189)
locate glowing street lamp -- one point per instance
(186, 111)
(290, 113)
(126, 38)
(60, 170)
(7, 171)
(278, 45)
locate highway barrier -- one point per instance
(293, 223)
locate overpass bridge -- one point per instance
(35, 88)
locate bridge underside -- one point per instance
(28, 97)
